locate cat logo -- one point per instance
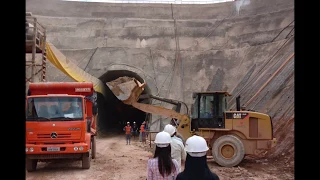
(239, 115)
(236, 115)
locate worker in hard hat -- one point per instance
(142, 132)
(128, 130)
(196, 166)
(177, 148)
(135, 129)
(162, 166)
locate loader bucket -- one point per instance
(126, 89)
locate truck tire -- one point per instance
(31, 164)
(86, 159)
(228, 151)
(94, 147)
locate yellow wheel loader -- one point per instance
(231, 135)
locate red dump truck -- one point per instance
(60, 122)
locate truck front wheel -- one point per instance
(94, 147)
(86, 159)
(31, 164)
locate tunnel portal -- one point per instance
(113, 113)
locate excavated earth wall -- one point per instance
(245, 47)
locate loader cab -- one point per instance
(208, 110)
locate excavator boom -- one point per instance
(128, 90)
(158, 110)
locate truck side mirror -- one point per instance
(94, 108)
(88, 125)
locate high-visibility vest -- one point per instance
(128, 129)
(142, 128)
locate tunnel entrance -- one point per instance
(113, 113)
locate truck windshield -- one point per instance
(54, 109)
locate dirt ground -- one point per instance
(117, 161)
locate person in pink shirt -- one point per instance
(162, 166)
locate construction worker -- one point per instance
(177, 148)
(135, 129)
(196, 166)
(128, 130)
(162, 166)
(142, 132)
(175, 135)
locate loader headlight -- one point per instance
(26, 149)
(75, 148)
(31, 149)
(80, 148)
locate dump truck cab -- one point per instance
(60, 122)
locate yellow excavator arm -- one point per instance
(128, 91)
(183, 127)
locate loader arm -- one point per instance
(183, 127)
(128, 90)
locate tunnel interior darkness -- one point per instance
(113, 113)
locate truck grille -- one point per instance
(54, 156)
(59, 136)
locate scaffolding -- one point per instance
(36, 47)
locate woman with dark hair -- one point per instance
(162, 166)
(196, 166)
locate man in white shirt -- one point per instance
(177, 148)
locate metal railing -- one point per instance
(35, 43)
(149, 135)
(35, 32)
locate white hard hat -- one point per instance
(162, 139)
(169, 129)
(196, 146)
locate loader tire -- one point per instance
(31, 164)
(228, 151)
(86, 159)
(94, 147)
